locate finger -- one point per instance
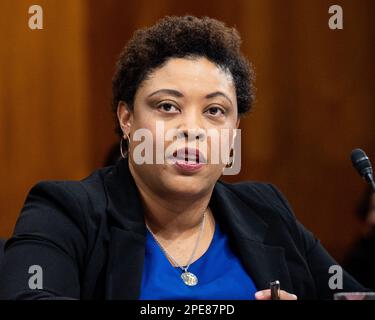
(287, 296)
(263, 295)
(266, 295)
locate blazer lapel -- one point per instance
(126, 249)
(125, 265)
(265, 263)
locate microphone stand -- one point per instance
(370, 180)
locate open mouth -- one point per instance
(189, 155)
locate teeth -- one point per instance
(190, 160)
(188, 157)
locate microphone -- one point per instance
(362, 164)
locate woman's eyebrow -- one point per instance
(172, 92)
(218, 93)
(178, 94)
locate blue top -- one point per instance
(220, 274)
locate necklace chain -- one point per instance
(195, 247)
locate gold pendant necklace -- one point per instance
(189, 278)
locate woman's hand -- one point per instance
(266, 295)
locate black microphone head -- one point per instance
(361, 162)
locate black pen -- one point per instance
(275, 290)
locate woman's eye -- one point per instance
(167, 107)
(216, 111)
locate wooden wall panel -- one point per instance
(43, 100)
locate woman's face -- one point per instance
(186, 97)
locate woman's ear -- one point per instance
(125, 117)
(235, 132)
(238, 123)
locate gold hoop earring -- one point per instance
(231, 156)
(124, 155)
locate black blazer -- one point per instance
(89, 239)
(1, 249)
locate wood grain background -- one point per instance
(315, 97)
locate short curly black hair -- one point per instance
(179, 37)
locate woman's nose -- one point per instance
(191, 127)
(192, 134)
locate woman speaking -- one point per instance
(168, 229)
